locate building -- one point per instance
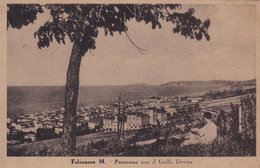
(110, 123)
(162, 117)
(152, 113)
(58, 130)
(60, 124)
(93, 124)
(142, 120)
(27, 129)
(136, 120)
(171, 110)
(8, 120)
(30, 136)
(88, 117)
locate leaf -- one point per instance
(153, 25)
(198, 36)
(207, 36)
(57, 38)
(51, 37)
(191, 36)
(159, 24)
(176, 30)
(207, 23)
(35, 34)
(106, 31)
(63, 41)
(191, 10)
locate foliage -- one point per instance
(46, 133)
(19, 136)
(22, 14)
(222, 146)
(81, 22)
(83, 129)
(222, 123)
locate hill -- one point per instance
(251, 82)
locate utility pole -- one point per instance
(118, 118)
(121, 116)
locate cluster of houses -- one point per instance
(137, 114)
(29, 123)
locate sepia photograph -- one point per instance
(131, 80)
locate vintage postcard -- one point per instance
(129, 84)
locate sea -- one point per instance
(37, 99)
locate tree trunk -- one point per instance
(71, 99)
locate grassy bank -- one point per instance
(106, 144)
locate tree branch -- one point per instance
(99, 13)
(129, 38)
(139, 48)
(134, 13)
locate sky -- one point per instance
(229, 55)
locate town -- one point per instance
(146, 113)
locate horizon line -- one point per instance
(139, 83)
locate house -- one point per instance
(30, 136)
(94, 123)
(23, 120)
(8, 120)
(13, 124)
(53, 122)
(88, 117)
(110, 123)
(28, 129)
(196, 100)
(176, 99)
(142, 120)
(162, 117)
(58, 130)
(60, 124)
(8, 131)
(131, 121)
(171, 110)
(18, 127)
(181, 127)
(152, 113)
(136, 120)
(13, 142)
(189, 99)
(79, 123)
(37, 125)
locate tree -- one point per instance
(82, 22)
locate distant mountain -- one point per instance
(213, 82)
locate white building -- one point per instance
(171, 110)
(58, 130)
(30, 136)
(93, 124)
(110, 124)
(136, 121)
